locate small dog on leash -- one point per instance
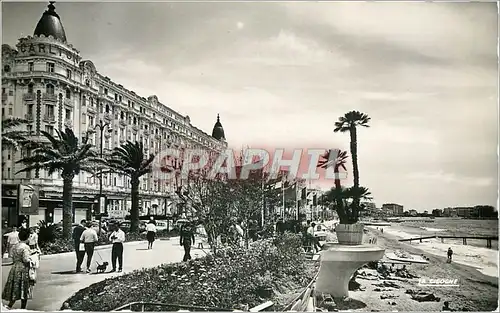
(101, 268)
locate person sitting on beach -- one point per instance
(450, 254)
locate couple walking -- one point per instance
(85, 240)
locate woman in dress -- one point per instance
(19, 286)
(151, 233)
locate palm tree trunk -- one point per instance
(134, 211)
(355, 170)
(354, 155)
(67, 204)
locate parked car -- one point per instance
(125, 226)
(178, 224)
(162, 226)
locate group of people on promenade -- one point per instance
(85, 239)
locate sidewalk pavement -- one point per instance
(56, 280)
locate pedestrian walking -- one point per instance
(152, 220)
(117, 237)
(33, 239)
(312, 238)
(21, 279)
(89, 238)
(79, 249)
(151, 233)
(12, 240)
(187, 240)
(450, 255)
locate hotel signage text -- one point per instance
(46, 49)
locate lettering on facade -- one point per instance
(45, 49)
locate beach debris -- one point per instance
(422, 296)
(391, 302)
(387, 284)
(388, 296)
(382, 289)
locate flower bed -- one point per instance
(232, 278)
(60, 245)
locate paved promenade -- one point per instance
(57, 281)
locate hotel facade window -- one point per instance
(50, 67)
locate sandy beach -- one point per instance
(476, 291)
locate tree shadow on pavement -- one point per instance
(71, 272)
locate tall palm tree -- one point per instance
(67, 155)
(12, 137)
(129, 160)
(349, 123)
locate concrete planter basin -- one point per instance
(339, 262)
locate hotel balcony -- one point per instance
(108, 116)
(49, 118)
(91, 109)
(29, 97)
(146, 132)
(49, 97)
(135, 127)
(29, 117)
(68, 103)
(123, 122)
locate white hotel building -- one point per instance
(46, 82)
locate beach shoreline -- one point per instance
(476, 291)
(482, 259)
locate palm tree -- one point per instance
(12, 137)
(336, 194)
(64, 154)
(348, 123)
(129, 160)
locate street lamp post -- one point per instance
(101, 126)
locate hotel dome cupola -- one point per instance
(50, 24)
(218, 132)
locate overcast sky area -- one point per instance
(280, 74)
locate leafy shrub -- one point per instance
(229, 279)
(48, 233)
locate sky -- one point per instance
(280, 75)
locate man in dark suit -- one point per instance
(187, 240)
(80, 254)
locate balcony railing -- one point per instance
(29, 117)
(49, 97)
(135, 127)
(123, 122)
(108, 116)
(49, 118)
(29, 97)
(68, 103)
(91, 109)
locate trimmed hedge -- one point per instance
(233, 278)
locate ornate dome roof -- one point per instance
(50, 24)
(218, 132)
